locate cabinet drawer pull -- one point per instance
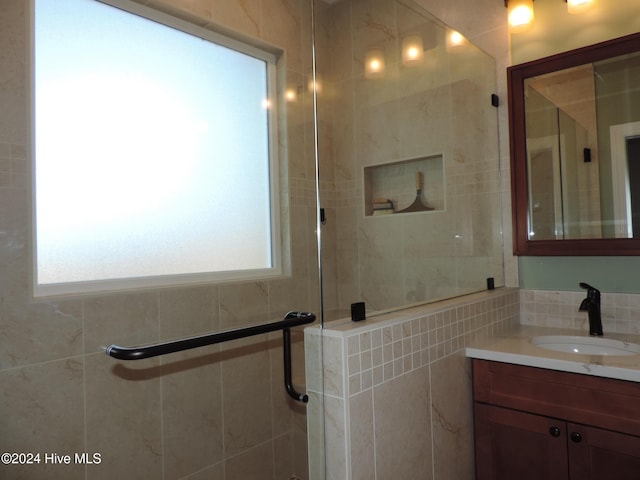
(554, 431)
(576, 437)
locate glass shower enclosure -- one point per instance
(409, 183)
(418, 131)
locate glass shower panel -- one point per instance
(406, 122)
(474, 177)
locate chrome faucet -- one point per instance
(591, 305)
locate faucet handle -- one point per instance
(588, 287)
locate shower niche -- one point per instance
(405, 186)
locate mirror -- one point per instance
(574, 121)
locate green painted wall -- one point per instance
(608, 274)
(555, 31)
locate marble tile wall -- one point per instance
(549, 308)
(219, 412)
(397, 389)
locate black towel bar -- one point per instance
(291, 319)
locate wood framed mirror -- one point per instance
(574, 129)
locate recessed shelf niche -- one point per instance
(398, 183)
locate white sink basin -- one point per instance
(585, 345)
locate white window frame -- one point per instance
(270, 56)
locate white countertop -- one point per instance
(516, 347)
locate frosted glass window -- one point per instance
(153, 158)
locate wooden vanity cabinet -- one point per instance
(537, 424)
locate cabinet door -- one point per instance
(596, 454)
(515, 445)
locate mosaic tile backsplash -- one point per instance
(620, 311)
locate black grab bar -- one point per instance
(291, 319)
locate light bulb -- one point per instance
(291, 95)
(374, 63)
(412, 50)
(520, 14)
(455, 39)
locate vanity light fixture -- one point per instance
(412, 50)
(579, 6)
(520, 14)
(374, 63)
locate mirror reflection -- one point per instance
(583, 151)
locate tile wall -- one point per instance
(620, 311)
(397, 389)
